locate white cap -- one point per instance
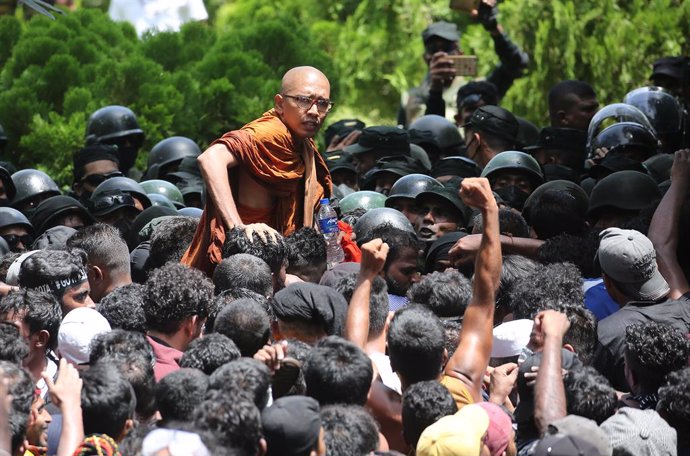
(510, 338)
(79, 327)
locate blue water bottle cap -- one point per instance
(324, 201)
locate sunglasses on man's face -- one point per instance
(97, 179)
(13, 240)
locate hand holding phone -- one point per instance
(465, 65)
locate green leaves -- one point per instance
(195, 83)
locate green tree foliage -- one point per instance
(196, 83)
(206, 80)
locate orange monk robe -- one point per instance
(291, 171)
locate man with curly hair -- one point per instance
(177, 301)
(674, 406)
(652, 351)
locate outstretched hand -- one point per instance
(338, 143)
(265, 232)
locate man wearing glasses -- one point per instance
(267, 176)
(93, 165)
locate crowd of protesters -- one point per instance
(506, 290)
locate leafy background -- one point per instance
(213, 77)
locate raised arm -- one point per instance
(374, 255)
(471, 358)
(663, 231)
(214, 164)
(549, 392)
(66, 394)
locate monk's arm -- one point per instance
(214, 164)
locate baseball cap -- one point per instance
(629, 259)
(668, 66)
(461, 434)
(291, 426)
(79, 327)
(564, 445)
(442, 29)
(640, 432)
(500, 430)
(385, 141)
(494, 120)
(511, 337)
(584, 428)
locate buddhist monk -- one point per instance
(268, 175)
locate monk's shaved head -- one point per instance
(300, 84)
(299, 77)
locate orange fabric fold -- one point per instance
(293, 172)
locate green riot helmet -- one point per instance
(126, 185)
(664, 112)
(168, 153)
(364, 199)
(623, 190)
(161, 200)
(513, 160)
(166, 189)
(32, 186)
(378, 217)
(627, 136)
(116, 125)
(613, 114)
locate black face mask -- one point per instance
(513, 196)
(124, 226)
(126, 156)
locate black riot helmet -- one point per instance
(12, 217)
(116, 125)
(8, 185)
(169, 152)
(125, 185)
(664, 112)
(378, 217)
(613, 114)
(626, 135)
(623, 190)
(444, 133)
(32, 186)
(412, 185)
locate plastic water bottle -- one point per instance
(328, 223)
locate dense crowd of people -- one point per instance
(506, 290)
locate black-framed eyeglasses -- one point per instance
(98, 179)
(322, 105)
(13, 240)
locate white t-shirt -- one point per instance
(157, 15)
